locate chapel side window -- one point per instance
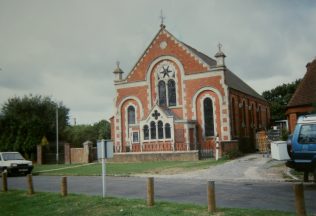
(146, 132)
(168, 131)
(162, 93)
(152, 130)
(160, 130)
(172, 97)
(131, 115)
(208, 117)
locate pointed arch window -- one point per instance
(168, 131)
(172, 97)
(152, 130)
(146, 132)
(162, 93)
(234, 117)
(208, 117)
(160, 130)
(131, 115)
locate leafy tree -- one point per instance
(278, 99)
(78, 134)
(25, 121)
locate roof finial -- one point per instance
(162, 19)
(220, 47)
(118, 64)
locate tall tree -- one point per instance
(78, 134)
(279, 98)
(25, 121)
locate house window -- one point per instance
(162, 93)
(172, 97)
(152, 130)
(146, 132)
(167, 131)
(131, 115)
(208, 117)
(244, 114)
(135, 137)
(160, 130)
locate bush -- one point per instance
(232, 154)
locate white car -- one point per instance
(13, 163)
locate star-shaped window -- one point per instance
(165, 71)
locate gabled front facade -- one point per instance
(178, 99)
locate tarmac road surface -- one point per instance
(231, 194)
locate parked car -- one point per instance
(302, 146)
(13, 163)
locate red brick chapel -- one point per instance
(176, 98)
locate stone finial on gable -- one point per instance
(118, 72)
(220, 56)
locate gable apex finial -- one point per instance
(162, 17)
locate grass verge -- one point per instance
(126, 169)
(18, 203)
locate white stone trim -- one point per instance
(130, 84)
(150, 70)
(203, 75)
(127, 131)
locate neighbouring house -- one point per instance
(176, 98)
(304, 98)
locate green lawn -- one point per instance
(18, 203)
(126, 169)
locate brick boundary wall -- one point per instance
(155, 156)
(227, 146)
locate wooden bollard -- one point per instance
(211, 201)
(299, 199)
(63, 188)
(150, 191)
(30, 184)
(4, 181)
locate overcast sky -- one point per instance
(67, 49)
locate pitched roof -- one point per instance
(305, 93)
(231, 79)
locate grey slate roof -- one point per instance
(211, 62)
(231, 79)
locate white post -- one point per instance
(57, 155)
(217, 148)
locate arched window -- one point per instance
(208, 117)
(131, 115)
(167, 131)
(162, 93)
(244, 114)
(234, 118)
(160, 130)
(152, 130)
(172, 97)
(259, 117)
(146, 132)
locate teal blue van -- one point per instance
(302, 147)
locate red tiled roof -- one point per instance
(305, 93)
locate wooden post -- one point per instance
(30, 184)
(211, 200)
(63, 188)
(150, 191)
(4, 181)
(299, 199)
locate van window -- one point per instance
(307, 134)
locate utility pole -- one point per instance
(57, 152)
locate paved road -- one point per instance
(263, 195)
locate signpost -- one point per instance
(105, 150)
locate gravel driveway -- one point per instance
(253, 167)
